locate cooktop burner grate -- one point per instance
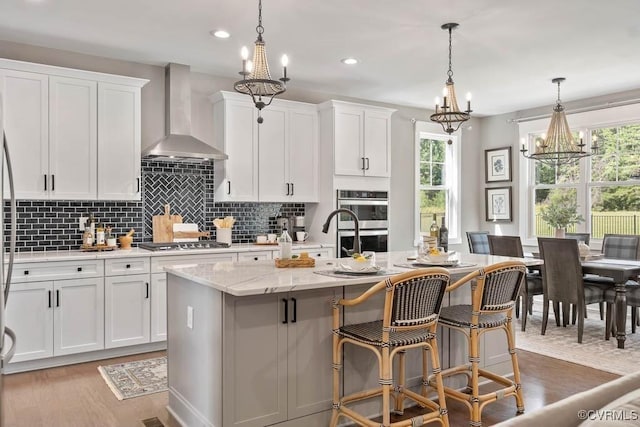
(175, 246)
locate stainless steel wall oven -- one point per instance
(371, 208)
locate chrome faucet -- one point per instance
(356, 237)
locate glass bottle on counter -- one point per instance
(285, 244)
(434, 229)
(87, 237)
(100, 235)
(443, 238)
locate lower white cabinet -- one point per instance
(56, 318)
(158, 307)
(291, 375)
(127, 310)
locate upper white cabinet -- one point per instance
(275, 161)
(361, 137)
(73, 134)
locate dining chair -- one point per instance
(478, 242)
(410, 320)
(494, 290)
(512, 246)
(585, 237)
(563, 282)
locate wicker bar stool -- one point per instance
(494, 290)
(410, 318)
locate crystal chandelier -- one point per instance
(256, 78)
(448, 114)
(558, 147)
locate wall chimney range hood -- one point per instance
(178, 144)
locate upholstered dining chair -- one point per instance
(584, 237)
(410, 319)
(494, 290)
(512, 246)
(478, 242)
(563, 282)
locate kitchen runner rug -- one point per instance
(562, 343)
(138, 378)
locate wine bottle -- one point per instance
(434, 230)
(443, 239)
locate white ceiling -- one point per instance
(504, 52)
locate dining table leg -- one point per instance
(621, 313)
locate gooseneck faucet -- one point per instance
(356, 237)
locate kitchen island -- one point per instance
(250, 344)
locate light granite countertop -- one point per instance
(256, 278)
(76, 255)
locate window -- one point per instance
(437, 183)
(605, 185)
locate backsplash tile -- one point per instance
(187, 187)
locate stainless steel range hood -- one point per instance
(178, 144)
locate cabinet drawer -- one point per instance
(255, 256)
(124, 266)
(39, 271)
(158, 263)
(316, 253)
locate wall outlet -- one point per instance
(189, 317)
(82, 222)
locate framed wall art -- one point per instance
(497, 164)
(498, 204)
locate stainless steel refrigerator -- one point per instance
(7, 337)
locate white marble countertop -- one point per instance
(256, 278)
(75, 255)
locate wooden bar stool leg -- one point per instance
(474, 359)
(399, 404)
(337, 367)
(386, 382)
(437, 373)
(511, 344)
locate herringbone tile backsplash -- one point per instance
(187, 187)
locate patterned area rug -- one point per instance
(562, 343)
(133, 379)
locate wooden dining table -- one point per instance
(620, 271)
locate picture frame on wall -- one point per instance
(498, 164)
(498, 204)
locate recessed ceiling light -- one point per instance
(221, 34)
(349, 61)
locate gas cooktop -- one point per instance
(174, 246)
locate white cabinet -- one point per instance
(57, 318)
(73, 134)
(236, 134)
(72, 138)
(288, 153)
(292, 375)
(254, 256)
(119, 140)
(158, 307)
(275, 161)
(127, 310)
(360, 136)
(315, 253)
(25, 106)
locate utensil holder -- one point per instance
(223, 235)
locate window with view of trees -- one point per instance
(437, 183)
(605, 186)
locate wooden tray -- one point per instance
(94, 248)
(295, 263)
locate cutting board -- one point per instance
(163, 225)
(186, 232)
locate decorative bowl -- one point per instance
(437, 257)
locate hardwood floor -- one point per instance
(76, 395)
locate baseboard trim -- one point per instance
(184, 413)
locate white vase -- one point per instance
(560, 233)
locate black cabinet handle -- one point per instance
(49, 292)
(288, 189)
(362, 163)
(292, 189)
(286, 310)
(295, 310)
(147, 297)
(26, 272)
(228, 187)
(367, 168)
(79, 269)
(57, 297)
(53, 182)
(255, 258)
(45, 182)
(138, 179)
(128, 266)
